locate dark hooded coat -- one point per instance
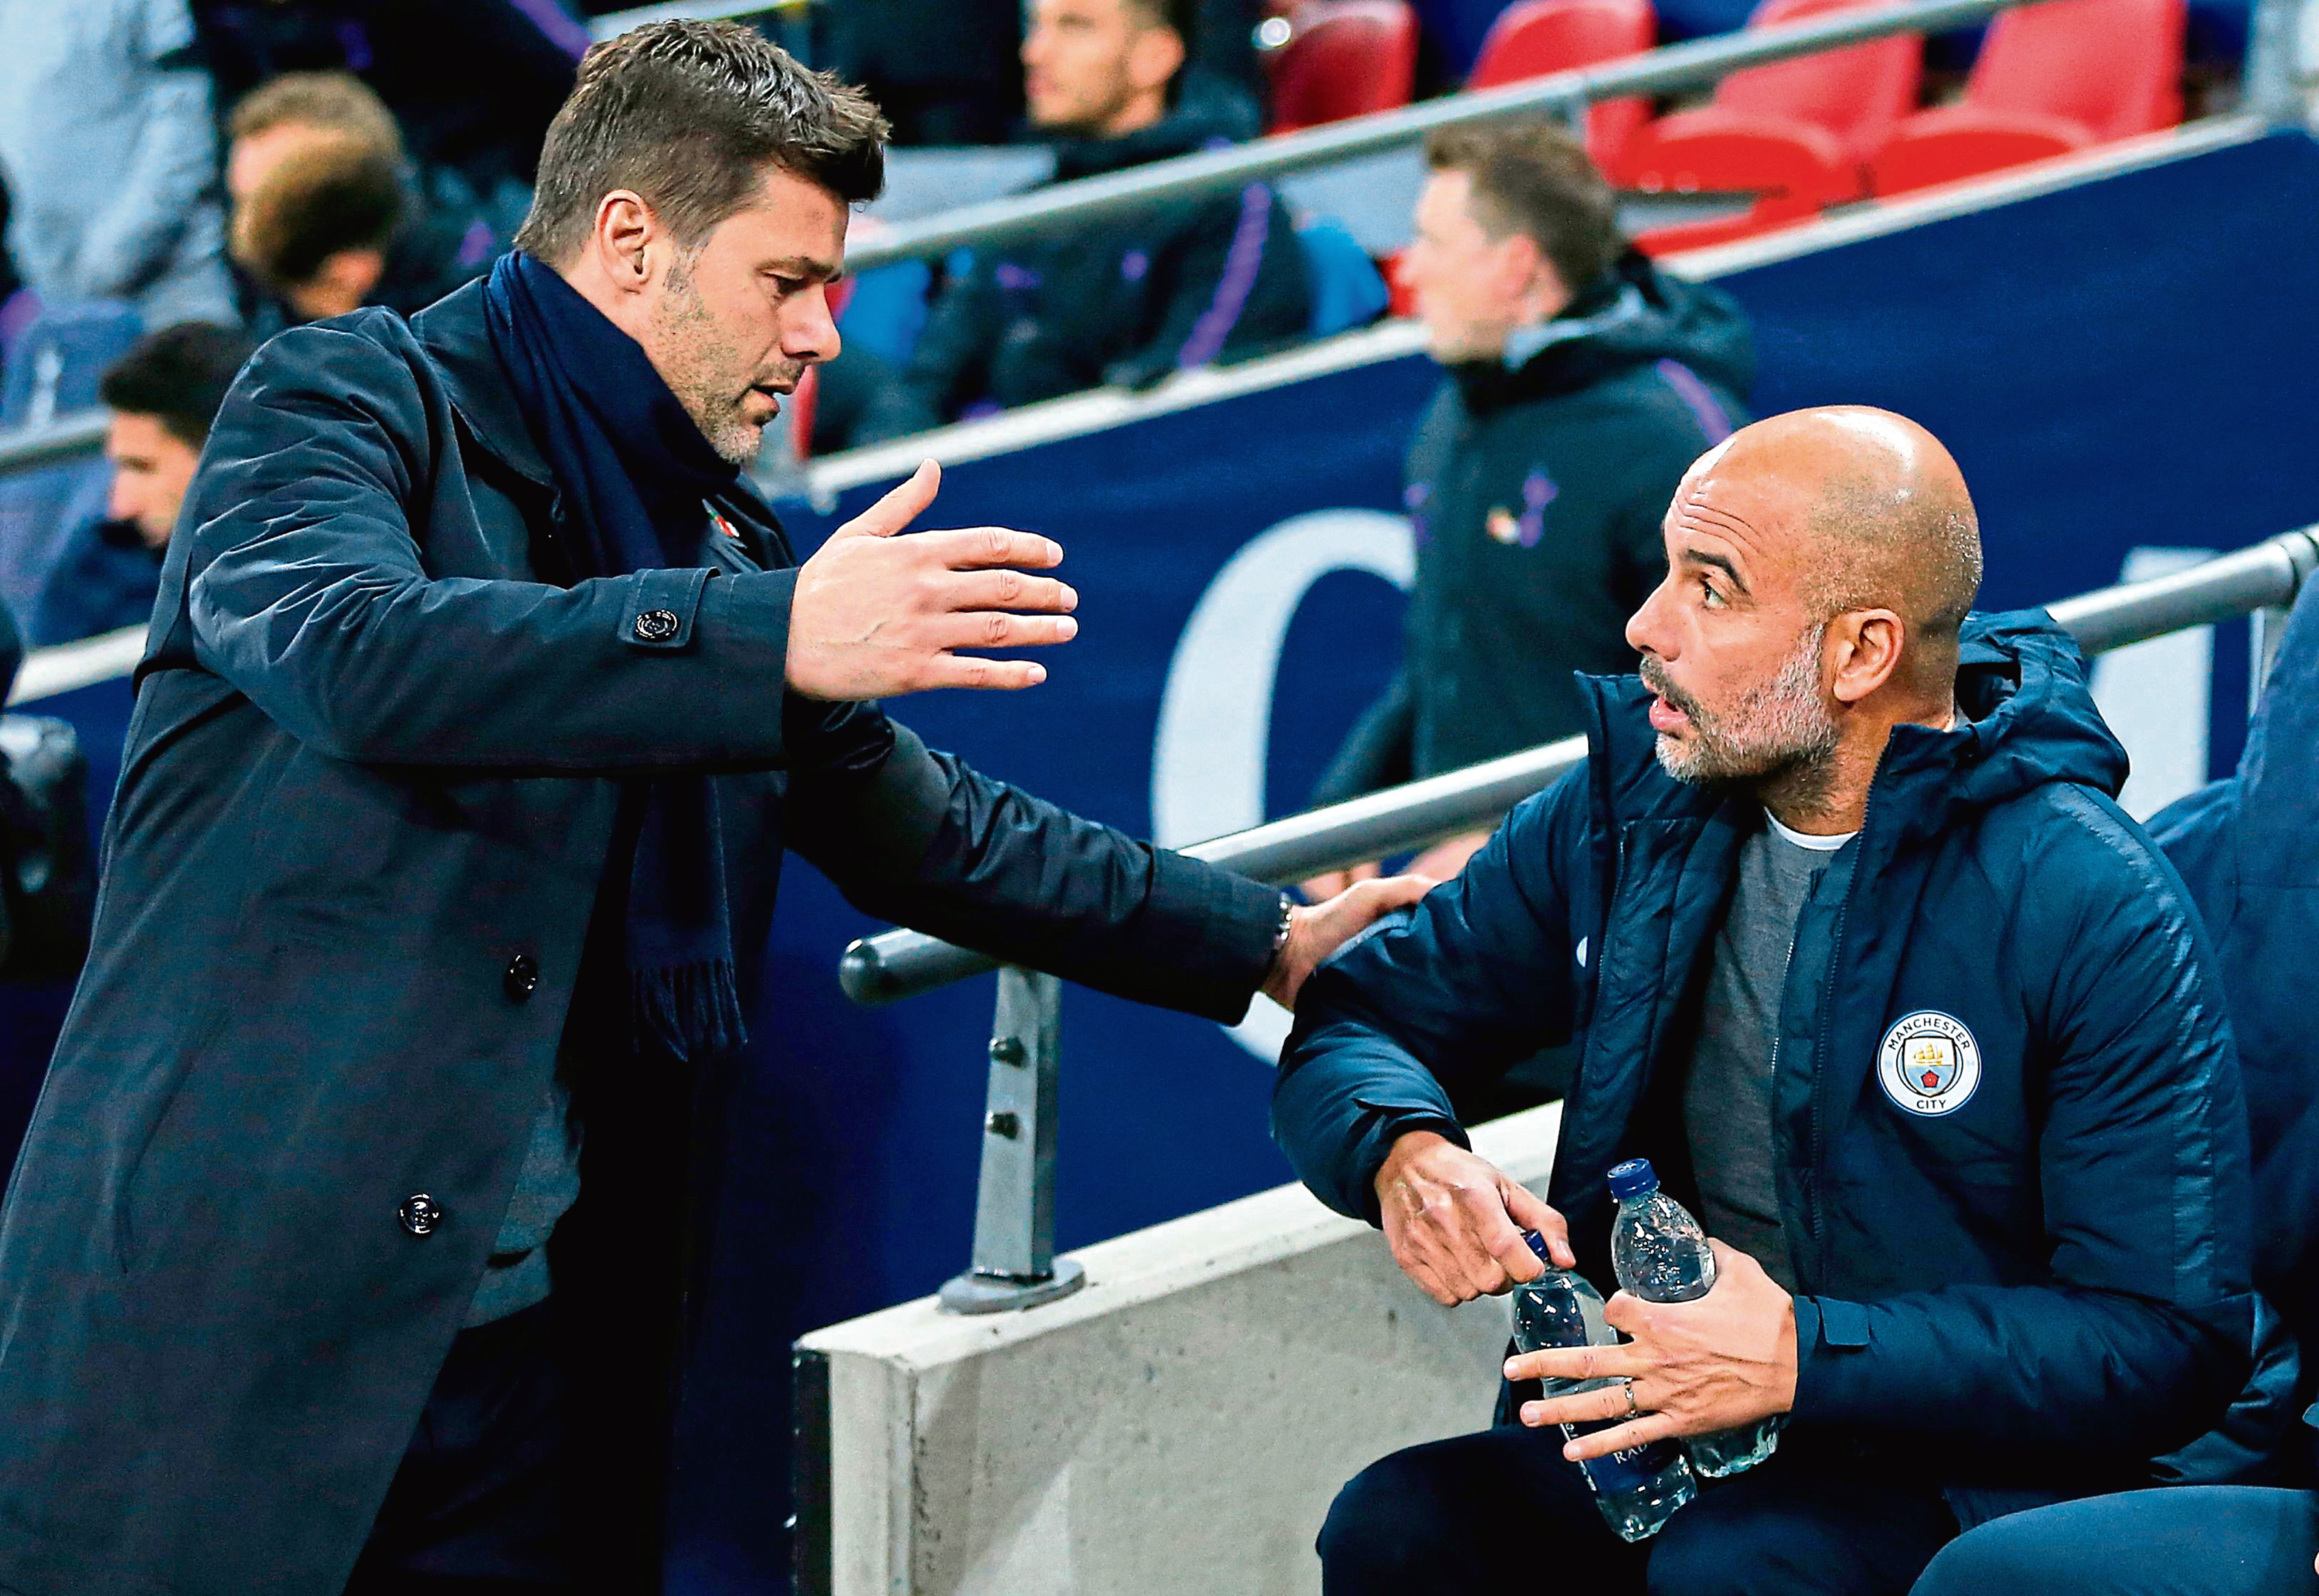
(2249, 850)
(367, 802)
(2028, 1292)
(1534, 495)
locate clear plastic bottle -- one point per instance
(1661, 1256)
(1640, 1488)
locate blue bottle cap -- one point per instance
(1538, 1245)
(1633, 1178)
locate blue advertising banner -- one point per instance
(2123, 369)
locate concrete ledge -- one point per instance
(1178, 1426)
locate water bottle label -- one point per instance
(1631, 1469)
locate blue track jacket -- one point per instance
(2028, 1292)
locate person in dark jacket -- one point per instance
(1579, 383)
(473, 83)
(103, 570)
(2248, 850)
(1123, 301)
(329, 214)
(331, 228)
(1868, 961)
(348, 1247)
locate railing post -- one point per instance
(2282, 62)
(1015, 1264)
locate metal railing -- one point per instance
(1674, 68)
(68, 437)
(1698, 64)
(1014, 1264)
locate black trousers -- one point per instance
(2188, 1540)
(1479, 1515)
(479, 1506)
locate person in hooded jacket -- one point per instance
(1579, 383)
(2249, 855)
(1868, 961)
(1123, 301)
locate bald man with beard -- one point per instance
(1865, 959)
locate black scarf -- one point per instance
(636, 472)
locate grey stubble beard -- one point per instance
(1778, 742)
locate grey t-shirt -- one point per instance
(1726, 1099)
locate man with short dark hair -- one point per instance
(101, 571)
(1867, 961)
(1579, 381)
(1126, 300)
(349, 1246)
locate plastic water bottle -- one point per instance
(1661, 1256)
(1640, 1488)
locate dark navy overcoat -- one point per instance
(369, 797)
(2007, 1133)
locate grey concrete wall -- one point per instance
(1177, 1427)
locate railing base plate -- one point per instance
(1000, 1293)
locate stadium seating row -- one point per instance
(1801, 135)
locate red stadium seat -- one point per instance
(1343, 57)
(1795, 169)
(2049, 79)
(1532, 38)
(1800, 131)
(1859, 94)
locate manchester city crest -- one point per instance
(1928, 1063)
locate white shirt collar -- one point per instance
(1804, 838)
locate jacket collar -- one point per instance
(453, 333)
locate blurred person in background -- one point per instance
(328, 214)
(108, 146)
(1123, 300)
(473, 83)
(354, 1243)
(948, 72)
(325, 232)
(162, 396)
(1580, 383)
(943, 72)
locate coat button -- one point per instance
(420, 1214)
(656, 625)
(523, 976)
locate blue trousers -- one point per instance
(1500, 1511)
(2187, 1541)
(478, 1506)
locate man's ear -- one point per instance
(1865, 648)
(626, 240)
(1154, 58)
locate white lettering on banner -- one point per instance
(1216, 713)
(2158, 697)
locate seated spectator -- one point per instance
(1121, 300)
(2248, 851)
(1579, 383)
(473, 83)
(1945, 1073)
(162, 394)
(109, 152)
(327, 216)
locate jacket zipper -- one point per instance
(1826, 1004)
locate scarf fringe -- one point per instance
(692, 1011)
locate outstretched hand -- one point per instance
(1317, 930)
(875, 615)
